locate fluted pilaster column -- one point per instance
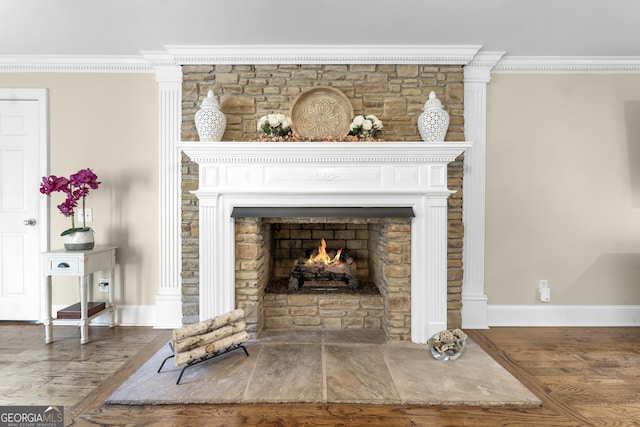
(169, 297)
(477, 75)
(431, 313)
(217, 252)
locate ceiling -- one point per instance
(591, 28)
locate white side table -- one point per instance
(81, 264)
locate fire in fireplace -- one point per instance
(324, 270)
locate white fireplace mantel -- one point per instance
(326, 174)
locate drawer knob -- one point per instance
(63, 265)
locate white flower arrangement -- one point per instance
(366, 126)
(274, 125)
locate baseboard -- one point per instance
(564, 315)
(498, 315)
(135, 315)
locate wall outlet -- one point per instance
(85, 215)
(544, 290)
(545, 294)
(542, 284)
(103, 285)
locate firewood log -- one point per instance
(207, 325)
(199, 352)
(199, 340)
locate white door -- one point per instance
(23, 222)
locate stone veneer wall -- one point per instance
(253, 269)
(394, 93)
(323, 311)
(392, 242)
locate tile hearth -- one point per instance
(339, 366)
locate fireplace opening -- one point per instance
(326, 272)
(323, 271)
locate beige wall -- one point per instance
(563, 188)
(109, 123)
(563, 180)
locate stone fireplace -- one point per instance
(392, 82)
(329, 175)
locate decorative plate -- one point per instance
(321, 113)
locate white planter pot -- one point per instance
(79, 240)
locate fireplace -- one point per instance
(330, 272)
(389, 175)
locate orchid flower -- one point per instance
(76, 187)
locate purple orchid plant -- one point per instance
(76, 187)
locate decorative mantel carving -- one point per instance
(380, 174)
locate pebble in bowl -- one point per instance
(448, 344)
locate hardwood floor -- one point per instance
(584, 376)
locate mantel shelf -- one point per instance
(322, 152)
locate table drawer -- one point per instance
(64, 265)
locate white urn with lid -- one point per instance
(210, 120)
(433, 123)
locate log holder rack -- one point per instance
(201, 359)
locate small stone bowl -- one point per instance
(448, 344)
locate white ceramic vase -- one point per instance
(82, 240)
(433, 123)
(210, 120)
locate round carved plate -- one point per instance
(321, 113)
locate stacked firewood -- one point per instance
(211, 336)
(336, 274)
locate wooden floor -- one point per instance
(584, 377)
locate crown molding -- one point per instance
(568, 64)
(479, 69)
(73, 64)
(176, 55)
(328, 54)
(486, 59)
